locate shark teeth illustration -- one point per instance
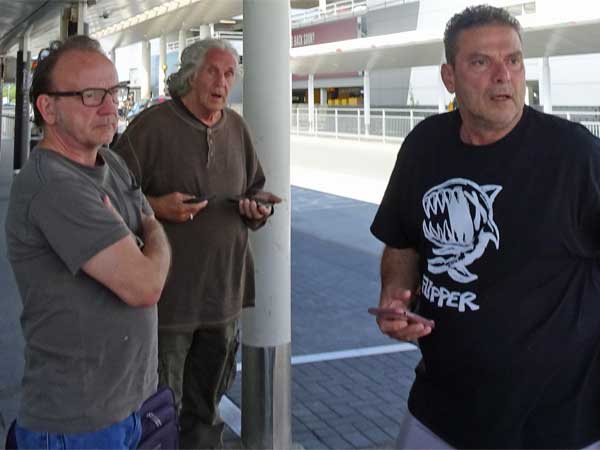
(459, 223)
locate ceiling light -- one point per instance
(227, 21)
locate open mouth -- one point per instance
(216, 96)
(501, 97)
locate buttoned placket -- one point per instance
(210, 140)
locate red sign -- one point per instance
(322, 33)
(339, 30)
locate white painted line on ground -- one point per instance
(232, 415)
(353, 353)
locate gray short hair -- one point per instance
(192, 58)
(472, 17)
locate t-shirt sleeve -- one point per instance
(391, 224)
(584, 238)
(146, 208)
(75, 222)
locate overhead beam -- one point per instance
(416, 48)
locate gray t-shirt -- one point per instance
(90, 359)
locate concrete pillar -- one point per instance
(145, 91)
(206, 31)
(367, 100)
(266, 336)
(2, 69)
(22, 124)
(182, 38)
(545, 87)
(323, 97)
(311, 102)
(323, 6)
(113, 56)
(162, 64)
(81, 13)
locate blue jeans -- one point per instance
(122, 435)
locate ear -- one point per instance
(448, 77)
(47, 108)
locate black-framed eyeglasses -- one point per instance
(95, 96)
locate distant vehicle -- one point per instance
(145, 104)
(157, 100)
(138, 107)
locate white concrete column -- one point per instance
(545, 86)
(113, 55)
(323, 97)
(81, 13)
(162, 64)
(25, 40)
(367, 100)
(182, 37)
(266, 328)
(323, 6)
(311, 102)
(206, 31)
(145, 71)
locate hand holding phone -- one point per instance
(198, 199)
(398, 313)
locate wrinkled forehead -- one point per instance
(488, 38)
(219, 57)
(81, 69)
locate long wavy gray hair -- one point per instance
(192, 59)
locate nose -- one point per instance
(501, 72)
(108, 106)
(221, 79)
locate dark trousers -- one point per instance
(199, 366)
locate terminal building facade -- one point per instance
(573, 83)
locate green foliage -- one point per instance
(9, 92)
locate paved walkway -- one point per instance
(349, 383)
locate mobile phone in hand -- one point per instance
(236, 199)
(396, 313)
(199, 198)
(261, 202)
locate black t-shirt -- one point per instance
(508, 236)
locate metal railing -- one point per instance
(594, 127)
(339, 10)
(384, 124)
(388, 124)
(589, 119)
(8, 126)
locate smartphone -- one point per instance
(237, 198)
(262, 202)
(199, 198)
(410, 317)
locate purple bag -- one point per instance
(159, 421)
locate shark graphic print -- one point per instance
(459, 223)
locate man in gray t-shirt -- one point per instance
(90, 262)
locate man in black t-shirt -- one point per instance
(491, 221)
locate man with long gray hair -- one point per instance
(195, 160)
